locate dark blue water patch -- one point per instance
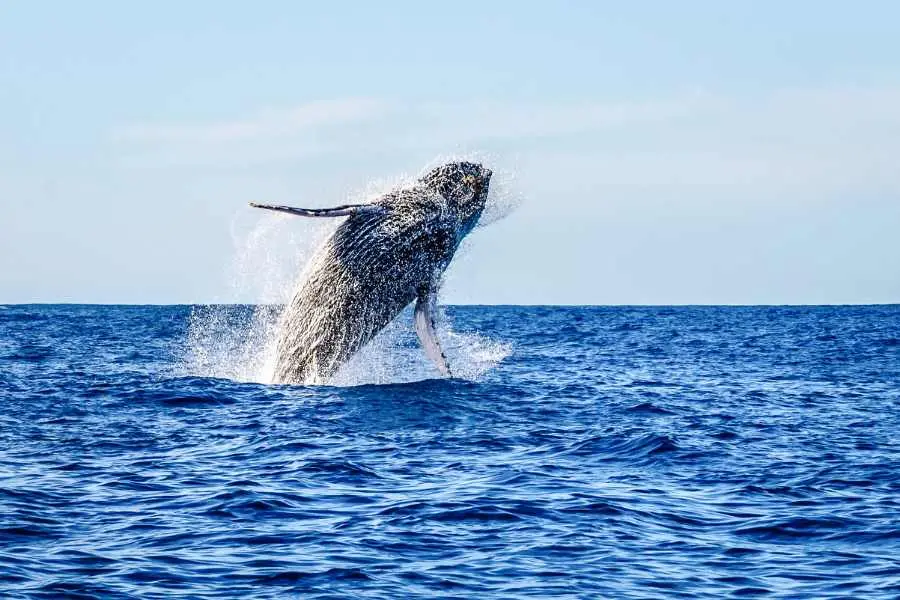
(627, 452)
(648, 408)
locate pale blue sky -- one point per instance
(662, 152)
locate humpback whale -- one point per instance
(383, 256)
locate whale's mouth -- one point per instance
(486, 178)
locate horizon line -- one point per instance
(496, 305)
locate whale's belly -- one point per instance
(356, 285)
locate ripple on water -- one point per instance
(604, 452)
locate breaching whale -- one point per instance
(385, 255)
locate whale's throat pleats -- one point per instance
(373, 266)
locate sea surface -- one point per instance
(585, 452)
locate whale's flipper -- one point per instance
(337, 211)
(425, 307)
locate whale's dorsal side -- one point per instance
(425, 328)
(337, 211)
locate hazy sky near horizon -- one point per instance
(659, 152)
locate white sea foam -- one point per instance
(238, 341)
(394, 356)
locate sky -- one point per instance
(661, 152)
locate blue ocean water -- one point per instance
(697, 452)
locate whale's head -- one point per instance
(464, 186)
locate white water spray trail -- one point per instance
(237, 341)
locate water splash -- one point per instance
(231, 341)
(395, 356)
(505, 196)
(237, 341)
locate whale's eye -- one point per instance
(469, 188)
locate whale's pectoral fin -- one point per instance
(337, 211)
(425, 312)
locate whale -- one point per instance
(384, 255)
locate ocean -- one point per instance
(585, 452)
